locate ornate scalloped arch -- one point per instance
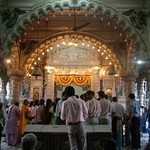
(44, 8)
(42, 47)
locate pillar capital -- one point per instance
(128, 78)
(15, 82)
(17, 73)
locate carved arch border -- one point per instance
(42, 47)
(138, 44)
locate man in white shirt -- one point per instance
(74, 111)
(105, 107)
(94, 109)
(117, 122)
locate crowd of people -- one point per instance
(74, 111)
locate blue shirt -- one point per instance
(135, 108)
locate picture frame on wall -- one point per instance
(36, 93)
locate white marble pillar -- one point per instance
(142, 96)
(95, 81)
(4, 80)
(49, 92)
(3, 92)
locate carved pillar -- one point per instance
(95, 81)
(50, 86)
(130, 73)
(129, 82)
(15, 84)
(3, 93)
(142, 94)
(129, 85)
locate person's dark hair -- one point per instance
(82, 96)
(42, 101)
(106, 96)
(69, 91)
(29, 142)
(110, 144)
(131, 96)
(16, 103)
(89, 92)
(36, 102)
(63, 93)
(48, 101)
(26, 102)
(76, 96)
(114, 99)
(101, 94)
(93, 93)
(31, 104)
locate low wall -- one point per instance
(55, 137)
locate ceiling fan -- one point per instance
(75, 27)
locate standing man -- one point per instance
(75, 113)
(105, 107)
(117, 118)
(134, 117)
(94, 109)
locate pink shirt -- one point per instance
(74, 110)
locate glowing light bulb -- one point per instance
(8, 61)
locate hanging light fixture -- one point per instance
(112, 70)
(37, 71)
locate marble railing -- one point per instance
(55, 137)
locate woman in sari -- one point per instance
(12, 124)
(25, 116)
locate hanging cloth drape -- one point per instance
(77, 80)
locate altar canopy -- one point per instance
(81, 83)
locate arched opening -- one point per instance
(57, 18)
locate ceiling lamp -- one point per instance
(37, 71)
(112, 70)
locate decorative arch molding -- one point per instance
(138, 44)
(42, 47)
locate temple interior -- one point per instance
(46, 46)
(95, 45)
